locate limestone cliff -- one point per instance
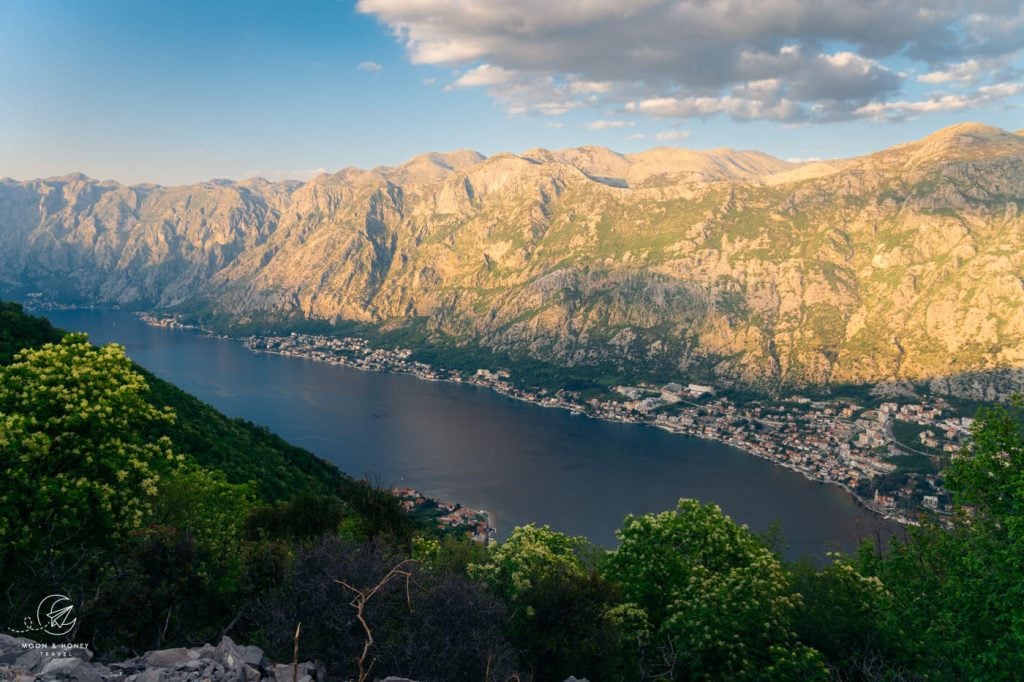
(907, 264)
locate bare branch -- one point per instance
(359, 604)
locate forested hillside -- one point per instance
(168, 524)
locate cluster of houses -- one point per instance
(832, 441)
(448, 516)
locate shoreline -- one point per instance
(379, 360)
(549, 402)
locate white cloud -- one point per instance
(1001, 90)
(668, 135)
(702, 107)
(429, 81)
(748, 59)
(964, 71)
(581, 87)
(483, 75)
(372, 67)
(606, 125)
(635, 136)
(903, 109)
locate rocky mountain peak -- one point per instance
(961, 142)
(431, 167)
(733, 267)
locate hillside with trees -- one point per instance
(169, 524)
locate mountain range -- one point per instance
(734, 267)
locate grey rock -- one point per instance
(11, 642)
(125, 668)
(252, 655)
(12, 648)
(206, 651)
(32, 660)
(167, 658)
(227, 662)
(307, 672)
(283, 672)
(214, 671)
(150, 675)
(227, 653)
(74, 670)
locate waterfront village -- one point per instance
(448, 516)
(889, 456)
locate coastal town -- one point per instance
(449, 517)
(888, 455)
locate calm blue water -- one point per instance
(520, 462)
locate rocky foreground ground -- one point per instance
(26, 661)
(23, 660)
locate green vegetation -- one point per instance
(954, 596)
(112, 477)
(908, 434)
(127, 495)
(18, 330)
(707, 599)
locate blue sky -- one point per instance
(179, 92)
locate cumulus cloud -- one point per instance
(785, 60)
(372, 67)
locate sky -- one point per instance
(179, 92)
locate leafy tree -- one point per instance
(77, 477)
(91, 502)
(844, 615)
(988, 477)
(448, 553)
(711, 599)
(207, 514)
(957, 594)
(558, 603)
